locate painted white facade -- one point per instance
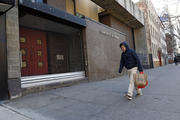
(154, 26)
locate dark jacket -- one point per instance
(175, 59)
(129, 59)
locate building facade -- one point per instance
(164, 53)
(176, 38)
(54, 43)
(170, 48)
(170, 36)
(152, 24)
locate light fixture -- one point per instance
(6, 5)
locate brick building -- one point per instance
(170, 46)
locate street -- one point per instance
(102, 100)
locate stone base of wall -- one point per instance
(14, 88)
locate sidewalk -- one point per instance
(8, 114)
(103, 100)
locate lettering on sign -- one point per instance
(109, 34)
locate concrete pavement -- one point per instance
(9, 114)
(103, 100)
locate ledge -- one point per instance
(52, 13)
(124, 10)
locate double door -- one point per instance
(33, 48)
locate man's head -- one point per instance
(124, 46)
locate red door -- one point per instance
(34, 52)
(159, 55)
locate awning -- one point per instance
(124, 10)
(5, 5)
(49, 12)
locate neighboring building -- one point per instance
(176, 39)
(170, 50)
(172, 25)
(134, 36)
(52, 43)
(172, 35)
(152, 25)
(165, 18)
(164, 54)
(5, 5)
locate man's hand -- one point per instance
(141, 72)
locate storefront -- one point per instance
(51, 48)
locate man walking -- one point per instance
(130, 60)
(176, 60)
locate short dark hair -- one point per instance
(121, 45)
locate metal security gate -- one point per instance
(3, 60)
(33, 45)
(32, 81)
(63, 44)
